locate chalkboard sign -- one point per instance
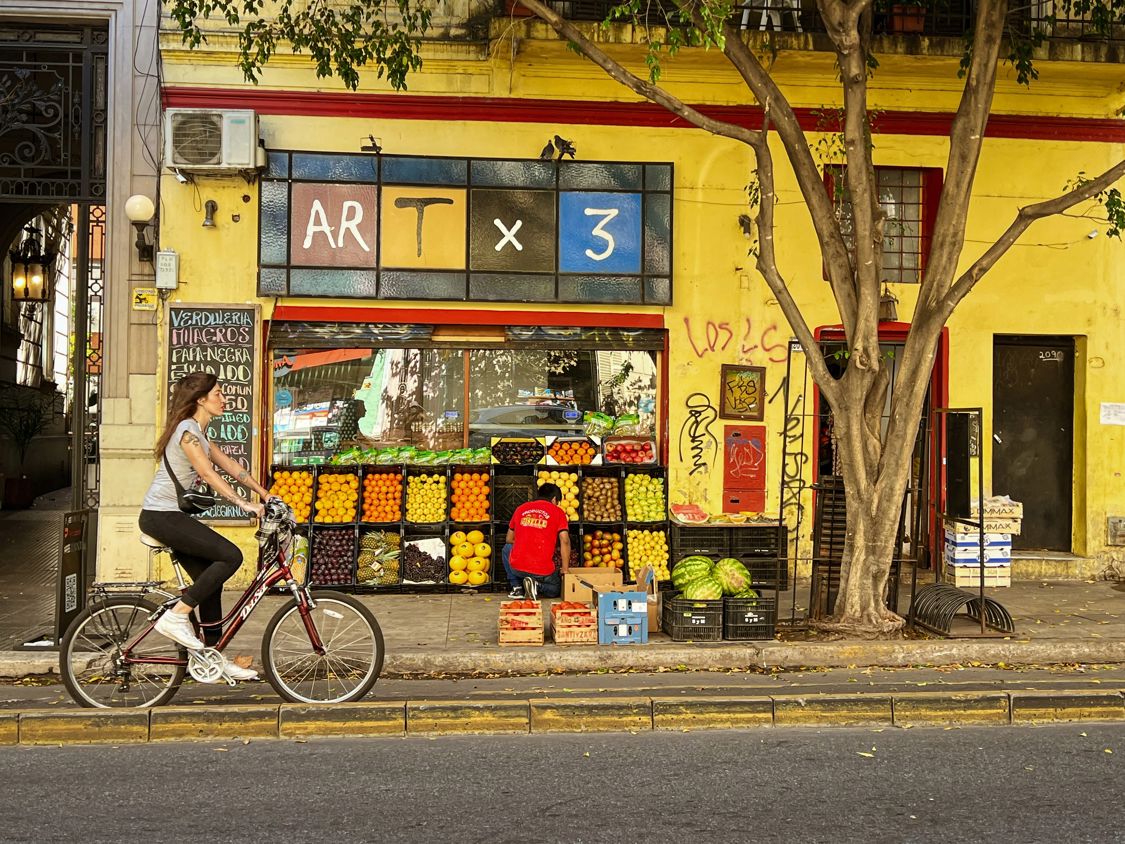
(221, 339)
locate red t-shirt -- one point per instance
(536, 525)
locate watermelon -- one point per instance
(703, 589)
(732, 575)
(689, 569)
(747, 593)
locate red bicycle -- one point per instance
(322, 648)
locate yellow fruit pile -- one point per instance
(295, 489)
(425, 498)
(649, 548)
(470, 558)
(568, 483)
(336, 498)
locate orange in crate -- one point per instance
(521, 623)
(337, 496)
(573, 452)
(470, 497)
(574, 623)
(295, 489)
(382, 497)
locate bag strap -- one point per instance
(176, 481)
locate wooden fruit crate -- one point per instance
(519, 625)
(572, 626)
(965, 576)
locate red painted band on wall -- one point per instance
(585, 112)
(462, 316)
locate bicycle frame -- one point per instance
(244, 606)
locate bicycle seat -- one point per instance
(152, 542)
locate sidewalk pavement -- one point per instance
(1062, 622)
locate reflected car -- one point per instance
(523, 420)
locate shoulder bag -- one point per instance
(192, 501)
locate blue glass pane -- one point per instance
(580, 288)
(343, 283)
(273, 282)
(497, 287)
(425, 171)
(514, 174)
(658, 233)
(595, 176)
(274, 231)
(279, 165)
(658, 177)
(335, 168)
(402, 284)
(658, 291)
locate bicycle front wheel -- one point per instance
(352, 658)
(91, 657)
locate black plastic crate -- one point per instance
(710, 541)
(613, 473)
(320, 558)
(542, 476)
(456, 474)
(592, 531)
(766, 570)
(652, 472)
(323, 473)
(692, 621)
(509, 491)
(413, 472)
(757, 540)
(750, 618)
(494, 563)
(368, 471)
(392, 571)
(293, 500)
(633, 566)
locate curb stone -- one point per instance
(546, 715)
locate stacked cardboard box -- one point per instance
(1002, 519)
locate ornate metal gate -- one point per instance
(54, 99)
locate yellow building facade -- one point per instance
(1057, 297)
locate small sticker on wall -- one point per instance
(1113, 413)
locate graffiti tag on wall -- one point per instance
(697, 440)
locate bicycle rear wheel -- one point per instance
(352, 658)
(90, 657)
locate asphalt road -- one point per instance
(986, 784)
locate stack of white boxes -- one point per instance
(1002, 520)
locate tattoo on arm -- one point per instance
(243, 475)
(189, 439)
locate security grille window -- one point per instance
(908, 196)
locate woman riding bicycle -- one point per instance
(209, 558)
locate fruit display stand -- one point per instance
(750, 618)
(574, 623)
(521, 623)
(761, 548)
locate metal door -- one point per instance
(1033, 435)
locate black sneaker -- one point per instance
(516, 593)
(530, 588)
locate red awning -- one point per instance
(330, 356)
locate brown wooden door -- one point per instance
(1033, 435)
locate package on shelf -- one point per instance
(1000, 506)
(968, 576)
(992, 524)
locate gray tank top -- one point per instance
(161, 495)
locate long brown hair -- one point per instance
(188, 390)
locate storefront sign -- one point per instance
(221, 339)
(144, 298)
(399, 227)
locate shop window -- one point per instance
(329, 400)
(908, 197)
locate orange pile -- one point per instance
(295, 489)
(336, 497)
(382, 497)
(470, 497)
(572, 452)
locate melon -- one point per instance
(689, 569)
(732, 575)
(703, 589)
(746, 593)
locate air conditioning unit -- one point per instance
(200, 140)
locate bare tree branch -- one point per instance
(633, 82)
(1024, 218)
(767, 266)
(833, 248)
(965, 140)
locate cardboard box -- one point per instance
(603, 579)
(992, 524)
(646, 582)
(1001, 506)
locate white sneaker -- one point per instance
(237, 672)
(177, 627)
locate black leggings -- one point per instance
(209, 558)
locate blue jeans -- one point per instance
(548, 585)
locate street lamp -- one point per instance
(139, 209)
(31, 268)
